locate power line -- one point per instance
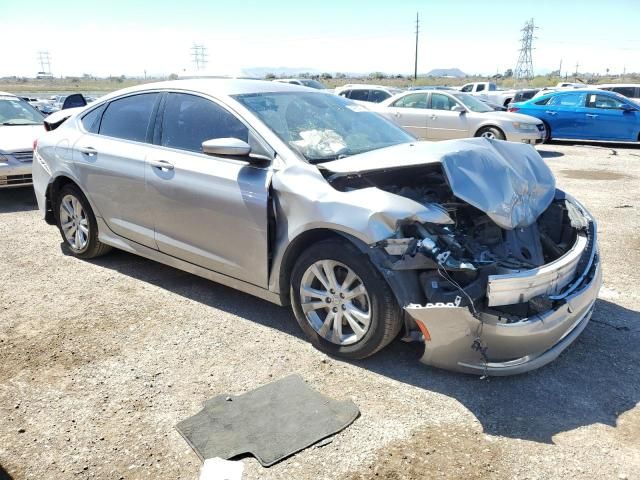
(415, 67)
(199, 54)
(524, 67)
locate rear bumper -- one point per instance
(511, 348)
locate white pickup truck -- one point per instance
(489, 91)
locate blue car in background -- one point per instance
(585, 115)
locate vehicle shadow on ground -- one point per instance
(550, 154)
(588, 143)
(594, 381)
(21, 199)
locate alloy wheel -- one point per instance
(335, 302)
(74, 222)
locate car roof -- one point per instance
(618, 85)
(216, 87)
(6, 94)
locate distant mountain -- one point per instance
(446, 72)
(260, 72)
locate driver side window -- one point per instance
(603, 101)
(442, 102)
(189, 120)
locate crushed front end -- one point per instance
(509, 280)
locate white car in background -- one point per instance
(20, 126)
(629, 90)
(367, 93)
(442, 115)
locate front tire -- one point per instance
(341, 302)
(77, 224)
(492, 133)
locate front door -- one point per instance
(604, 118)
(210, 211)
(442, 123)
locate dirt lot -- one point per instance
(99, 360)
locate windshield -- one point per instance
(323, 127)
(312, 84)
(15, 111)
(472, 103)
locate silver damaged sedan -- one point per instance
(305, 198)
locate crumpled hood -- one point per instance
(19, 138)
(508, 181)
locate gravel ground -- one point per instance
(100, 359)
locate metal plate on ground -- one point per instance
(271, 422)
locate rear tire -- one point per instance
(352, 315)
(492, 133)
(77, 223)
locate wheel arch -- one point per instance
(487, 126)
(52, 191)
(301, 243)
(404, 284)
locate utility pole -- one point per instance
(576, 74)
(199, 54)
(524, 67)
(560, 69)
(415, 67)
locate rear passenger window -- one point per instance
(362, 95)
(378, 96)
(189, 120)
(91, 121)
(129, 117)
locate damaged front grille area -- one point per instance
(507, 274)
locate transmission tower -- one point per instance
(45, 62)
(524, 67)
(199, 54)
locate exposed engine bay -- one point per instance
(455, 261)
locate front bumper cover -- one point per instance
(511, 348)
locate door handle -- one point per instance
(88, 150)
(591, 115)
(161, 164)
(397, 114)
(433, 117)
(550, 112)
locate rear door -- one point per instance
(442, 123)
(410, 112)
(563, 113)
(606, 120)
(210, 211)
(110, 163)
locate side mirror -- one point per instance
(226, 147)
(458, 108)
(625, 107)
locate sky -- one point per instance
(119, 37)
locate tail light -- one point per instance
(513, 109)
(35, 144)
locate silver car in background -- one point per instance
(20, 125)
(444, 115)
(305, 198)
